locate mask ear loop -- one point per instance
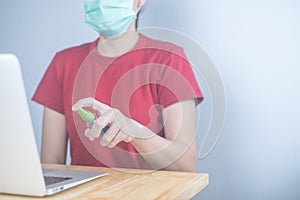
(137, 10)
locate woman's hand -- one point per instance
(120, 128)
(176, 151)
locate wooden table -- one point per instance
(131, 184)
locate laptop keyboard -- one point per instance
(53, 179)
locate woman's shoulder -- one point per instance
(77, 51)
(162, 45)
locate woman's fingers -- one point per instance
(114, 136)
(109, 117)
(91, 102)
(119, 138)
(109, 135)
(88, 134)
(95, 131)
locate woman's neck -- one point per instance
(117, 46)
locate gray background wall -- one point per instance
(255, 45)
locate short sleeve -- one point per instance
(49, 92)
(178, 81)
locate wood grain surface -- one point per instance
(130, 184)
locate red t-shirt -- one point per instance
(140, 83)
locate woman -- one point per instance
(142, 90)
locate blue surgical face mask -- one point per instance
(110, 18)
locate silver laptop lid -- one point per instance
(20, 169)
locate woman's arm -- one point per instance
(177, 151)
(54, 137)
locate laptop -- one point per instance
(20, 169)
